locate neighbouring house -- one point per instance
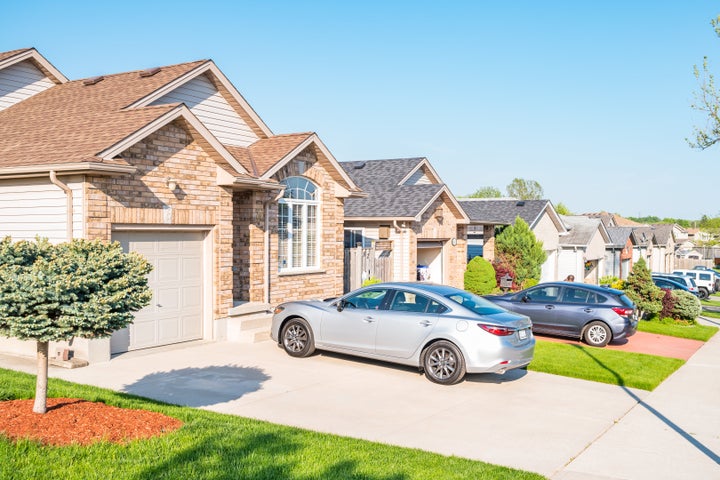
(171, 162)
(487, 214)
(642, 239)
(412, 215)
(582, 250)
(619, 252)
(663, 256)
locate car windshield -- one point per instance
(472, 302)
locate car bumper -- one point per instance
(509, 358)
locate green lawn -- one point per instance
(693, 332)
(627, 369)
(219, 447)
(711, 303)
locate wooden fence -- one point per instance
(363, 263)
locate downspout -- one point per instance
(69, 201)
(266, 252)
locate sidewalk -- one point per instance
(563, 428)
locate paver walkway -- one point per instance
(643, 342)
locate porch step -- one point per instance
(249, 323)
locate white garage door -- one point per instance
(175, 311)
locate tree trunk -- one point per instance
(41, 384)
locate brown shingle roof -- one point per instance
(73, 122)
(262, 155)
(12, 53)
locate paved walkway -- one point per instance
(643, 342)
(563, 428)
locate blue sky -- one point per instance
(590, 99)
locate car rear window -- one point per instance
(476, 304)
(626, 301)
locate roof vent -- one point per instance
(521, 203)
(92, 81)
(149, 72)
(359, 166)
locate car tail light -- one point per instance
(623, 312)
(495, 330)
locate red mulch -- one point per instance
(77, 421)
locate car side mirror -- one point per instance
(525, 299)
(340, 305)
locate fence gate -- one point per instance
(363, 263)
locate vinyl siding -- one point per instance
(206, 103)
(21, 81)
(31, 207)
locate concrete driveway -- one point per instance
(560, 427)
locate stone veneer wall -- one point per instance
(144, 198)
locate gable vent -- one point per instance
(92, 81)
(149, 72)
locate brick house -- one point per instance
(410, 211)
(174, 163)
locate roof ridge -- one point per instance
(117, 74)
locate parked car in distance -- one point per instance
(444, 331)
(592, 313)
(705, 280)
(667, 284)
(715, 272)
(688, 282)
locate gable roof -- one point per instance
(504, 211)
(390, 195)
(581, 230)
(13, 57)
(75, 121)
(85, 124)
(619, 236)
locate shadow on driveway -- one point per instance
(199, 387)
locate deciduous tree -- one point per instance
(524, 189)
(485, 192)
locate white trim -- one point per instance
(453, 200)
(208, 66)
(313, 138)
(33, 54)
(122, 227)
(177, 112)
(426, 163)
(65, 168)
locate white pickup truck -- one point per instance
(704, 279)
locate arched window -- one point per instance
(298, 225)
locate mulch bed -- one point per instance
(77, 421)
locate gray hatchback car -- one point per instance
(589, 312)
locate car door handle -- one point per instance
(588, 310)
(368, 319)
(550, 307)
(426, 323)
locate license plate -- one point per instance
(522, 334)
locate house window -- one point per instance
(354, 238)
(298, 225)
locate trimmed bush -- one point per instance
(480, 276)
(687, 306)
(668, 303)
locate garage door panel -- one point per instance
(175, 312)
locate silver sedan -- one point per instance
(444, 331)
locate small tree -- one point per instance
(480, 276)
(518, 248)
(640, 288)
(687, 306)
(81, 288)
